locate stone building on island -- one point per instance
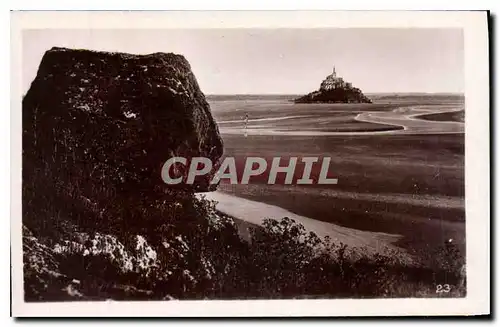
(333, 89)
(333, 82)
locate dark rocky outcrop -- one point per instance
(334, 89)
(98, 220)
(113, 119)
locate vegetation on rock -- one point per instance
(208, 259)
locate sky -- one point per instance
(282, 61)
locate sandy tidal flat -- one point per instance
(400, 172)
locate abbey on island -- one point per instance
(333, 82)
(333, 89)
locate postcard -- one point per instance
(242, 164)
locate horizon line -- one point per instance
(447, 93)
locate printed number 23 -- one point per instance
(443, 288)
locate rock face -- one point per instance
(112, 119)
(334, 89)
(97, 129)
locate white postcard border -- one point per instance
(477, 159)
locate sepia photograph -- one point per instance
(176, 164)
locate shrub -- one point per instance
(284, 261)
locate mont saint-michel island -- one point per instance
(334, 89)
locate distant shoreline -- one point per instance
(367, 93)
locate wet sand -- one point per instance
(404, 120)
(255, 212)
